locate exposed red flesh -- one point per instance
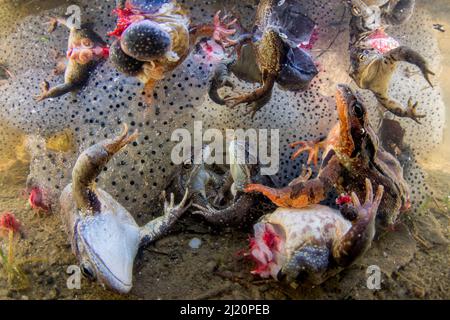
(273, 243)
(124, 19)
(37, 200)
(343, 199)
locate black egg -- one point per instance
(145, 40)
(123, 62)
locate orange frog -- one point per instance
(352, 153)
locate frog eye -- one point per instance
(87, 271)
(356, 11)
(87, 43)
(362, 57)
(358, 110)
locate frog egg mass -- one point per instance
(43, 140)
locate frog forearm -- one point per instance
(155, 229)
(57, 91)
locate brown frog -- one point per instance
(374, 57)
(84, 52)
(271, 53)
(352, 152)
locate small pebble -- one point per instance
(195, 243)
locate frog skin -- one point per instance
(154, 37)
(104, 236)
(234, 209)
(270, 54)
(216, 191)
(84, 52)
(352, 152)
(377, 13)
(311, 244)
(374, 57)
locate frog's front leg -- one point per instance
(359, 237)
(312, 147)
(57, 91)
(399, 12)
(232, 215)
(220, 30)
(156, 228)
(303, 193)
(397, 108)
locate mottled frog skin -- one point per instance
(217, 191)
(352, 152)
(311, 244)
(270, 54)
(85, 51)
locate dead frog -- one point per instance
(154, 37)
(311, 244)
(352, 152)
(374, 57)
(85, 51)
(104, 236)
(217, 190)
(271, 53)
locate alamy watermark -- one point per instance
(74, 16)
(262, 144)
(74, 280)
(373, 273)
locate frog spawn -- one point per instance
(137, 176)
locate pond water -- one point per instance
(40, 142)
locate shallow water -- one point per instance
(43, 140)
